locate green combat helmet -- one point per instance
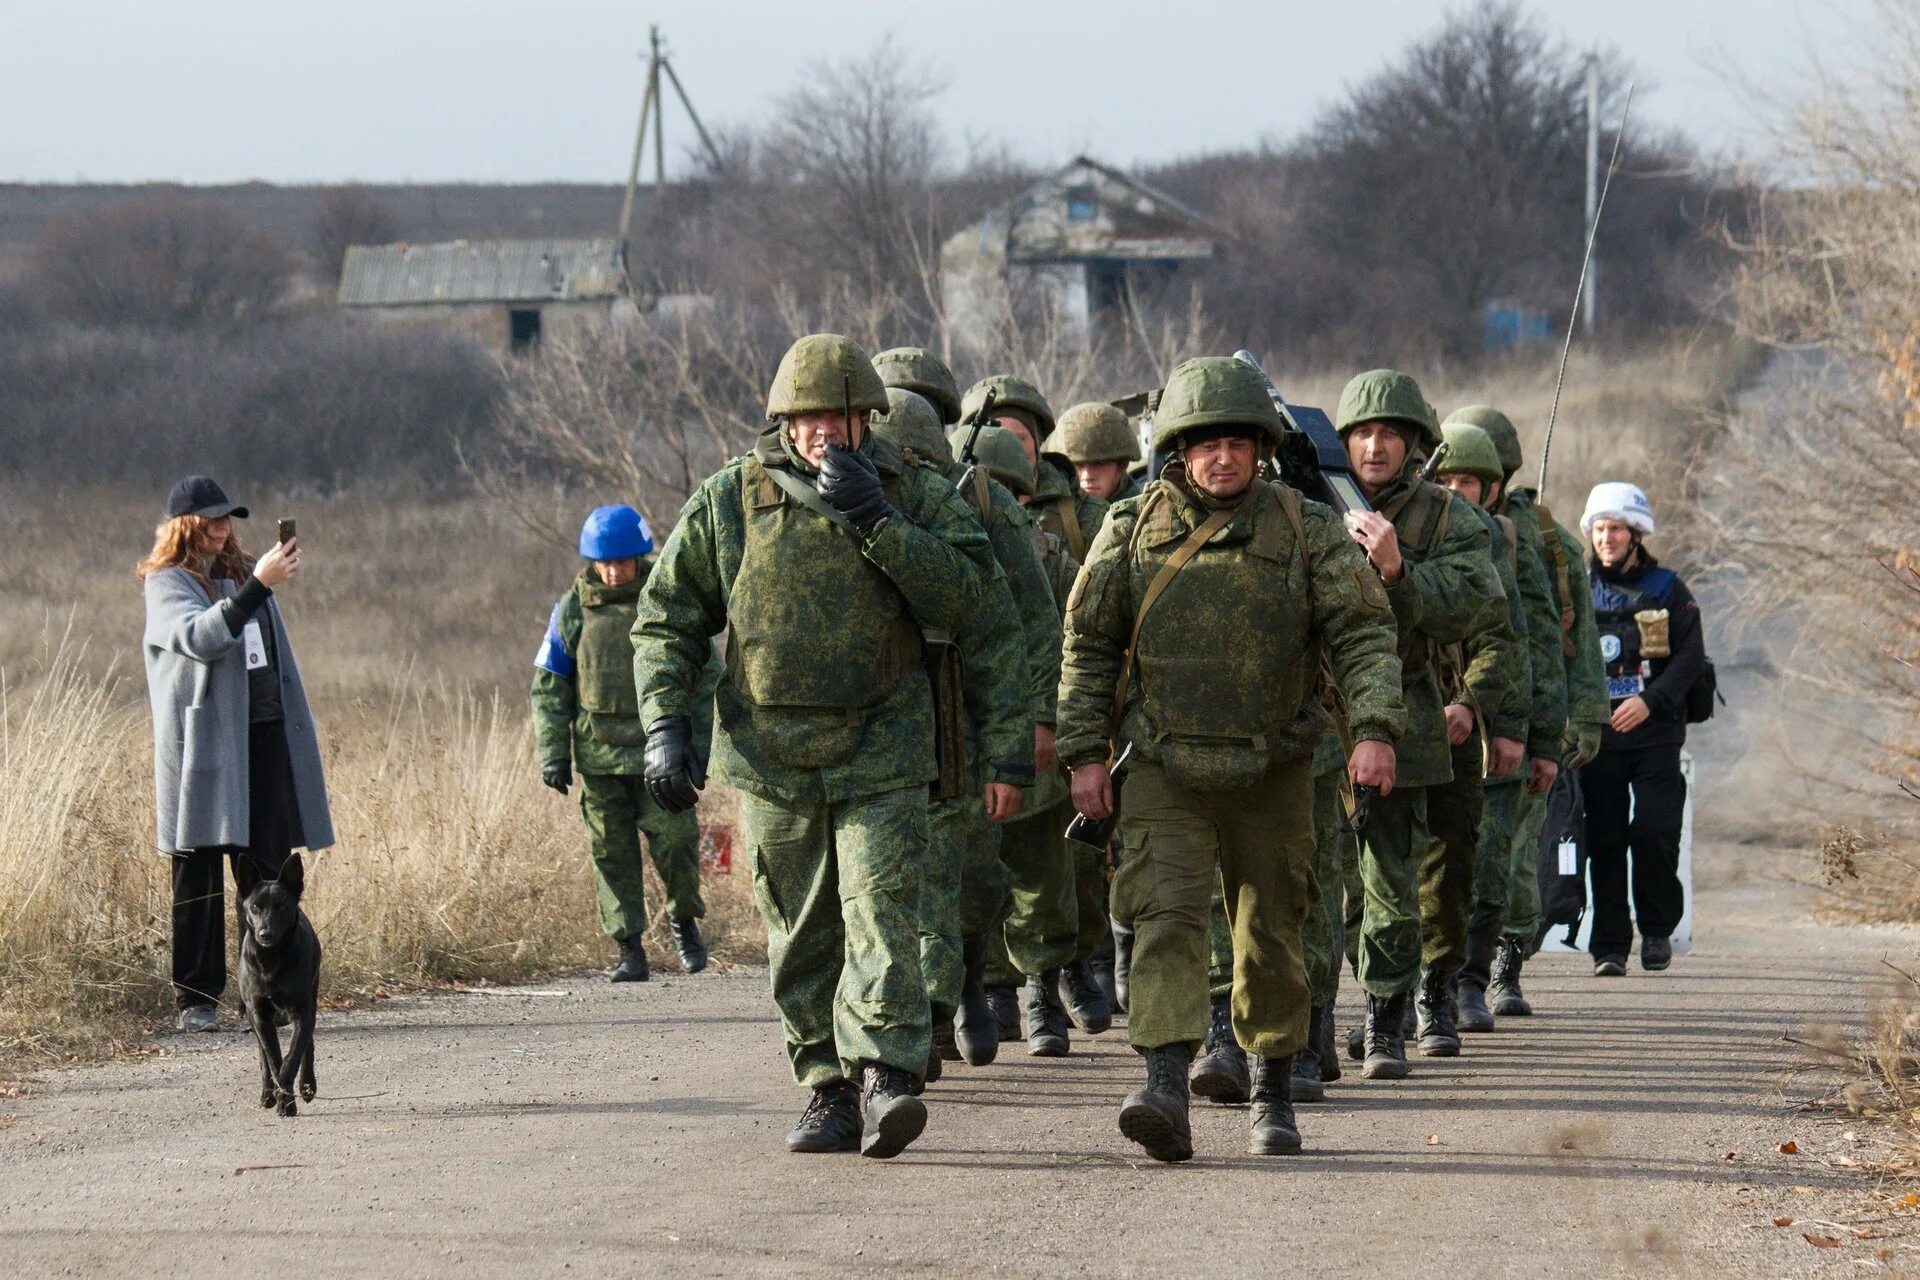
(1215, 391)
(1002, 454)
(918, 370)
(1470, 451)
(1011, 393)
(819, 374)
(1384, 394)
(913, 423)
(1499, 429)
(1094, 432)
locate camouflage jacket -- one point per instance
(1546, 662)
(1579, 696)
(1449, 593)
(1011, 529)
(1497, 666)
(1065, 512)
(824, 696)
(1227, 668)
(562, 728)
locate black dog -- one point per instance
(279, 978)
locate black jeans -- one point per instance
(199, 875)
(1646, 780)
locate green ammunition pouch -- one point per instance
(819, 636)
(603, 678)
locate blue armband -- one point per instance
(553, 655)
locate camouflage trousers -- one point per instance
(618, 812)
(1257, 843)
(1042, 929)
(1493, 860)
(1393, 852)
(1093, 926)
(963, 891)
(1446, 872)
(839, 887)
(1322, 932)
(1523, 884)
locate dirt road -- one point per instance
(637, 1130)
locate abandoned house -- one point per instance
(1082, 242)
(506, 294)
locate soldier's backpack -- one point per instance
(1561, 860)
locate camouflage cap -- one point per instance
(1499, 429)
(1094, 432)
(1215, 391)
(1390, 396)
(918, 370)
(820, 373)
(1470, 452)
(1002, 454)
(1010, 393)
(912, 423)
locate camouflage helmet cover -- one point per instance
(1002, 454)
(1390, 396)
(1499, 429)
(1010, 392)
(918, 370)
(913, 423)
(1215, 391)
(819, 373)
(1470, 451)
(1094, 432)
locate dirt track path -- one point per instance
(625, 1131)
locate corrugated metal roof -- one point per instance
(393, 275)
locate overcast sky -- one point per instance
(505, 90)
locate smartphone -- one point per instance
(285, 532)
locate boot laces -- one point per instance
(1165, 1074)
(1219, 1030)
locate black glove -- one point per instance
(674, 770)
(851, 486)
(557, 774)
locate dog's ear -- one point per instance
(293, 874)
(246, 874)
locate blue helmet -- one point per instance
(615, 533)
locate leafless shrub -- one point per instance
(342, 218)
(167, 264)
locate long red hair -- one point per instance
(185, 542)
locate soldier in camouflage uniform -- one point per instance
(586, 713)
(1219, 784)
(825, 564)
(1587, 710)
(1435, 557)
(966, 886)
(918, 370)
(1475, 471)
(1035, 847)
(1099, 443)
(1487, 723)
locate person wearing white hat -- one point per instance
(1651, 641)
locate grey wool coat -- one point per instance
(197, 685)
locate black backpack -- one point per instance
(1563, 882)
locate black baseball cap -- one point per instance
(200, 496)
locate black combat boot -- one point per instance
(944, 1046)
(1006, 1012)
(977, 1034)
(1085, 1001)
(1220, 1073)
(1508, 1000)
(1472, 982)
(1322, 1035)
(1048, 1028)
(633, 962)
(1274, 1131)
(1439, 1037)
(1122, 964)
(942, 1020)
(831, 1121)
(1357, 1041)
(1101, 962)
(691, 946)
(894, 1117)
(1386, 1042)
(1307, 1085)
(1155, 1116)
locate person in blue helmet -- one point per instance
(586, 715)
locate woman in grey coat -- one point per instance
(236, 761)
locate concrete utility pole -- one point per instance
(653, 111)
(1593, 189)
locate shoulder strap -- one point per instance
(982, 496)
(808, 497)
(1070, 523)
(1562, 575)
(1155, 589)
(1290, 507)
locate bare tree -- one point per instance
(342, 218)
(165, 264)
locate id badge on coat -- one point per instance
(256, 645)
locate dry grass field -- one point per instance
(416, 624)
